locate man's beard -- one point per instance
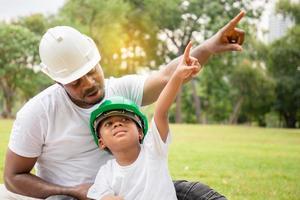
(87, 104)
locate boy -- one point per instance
(139, 170)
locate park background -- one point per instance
(236, 125)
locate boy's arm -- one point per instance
(187, 68)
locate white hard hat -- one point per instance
(66, 54)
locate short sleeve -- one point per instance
(130, 86)
(153, 142)
(29, 129)
(101, 186)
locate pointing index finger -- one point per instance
(235, 21)
(186, 54)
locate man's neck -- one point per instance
(127, 156)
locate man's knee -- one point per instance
(195, 191)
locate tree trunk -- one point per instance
(290, 119)
(8, 94)
(196, 101)
(7, 108)
(178, 116)
(262, 121)
(236, 111)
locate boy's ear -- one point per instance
(101, 143)
(141, 135)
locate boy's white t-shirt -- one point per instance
(51, 127)
(147, 178)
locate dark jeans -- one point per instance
(195, 191)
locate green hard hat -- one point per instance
(116, 106)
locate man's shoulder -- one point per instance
(125, 78)
(129, 86)
(43, 99)
(52, 90)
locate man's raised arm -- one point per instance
(228, 38)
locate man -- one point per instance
(44, 133)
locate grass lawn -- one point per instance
(239, 162)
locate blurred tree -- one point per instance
(198, 20)
(253, 92)
(284, 65)
(18, 56)
(36, 23)
(289, 8)
(121, 29)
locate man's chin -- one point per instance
(94, 100)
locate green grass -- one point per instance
(239, 162)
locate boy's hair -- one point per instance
(117, 106)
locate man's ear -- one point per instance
(101, 143)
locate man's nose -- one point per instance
(88, 80)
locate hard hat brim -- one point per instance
(113, 113)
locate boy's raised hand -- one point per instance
(189, 66)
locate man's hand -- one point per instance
(228, 38)
(189, 66)
(80, 191)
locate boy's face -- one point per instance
(118, 133)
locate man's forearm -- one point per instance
(33, 186)
(200, 52)
(156, 82)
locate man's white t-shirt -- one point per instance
(51, 127)
(147, 178)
